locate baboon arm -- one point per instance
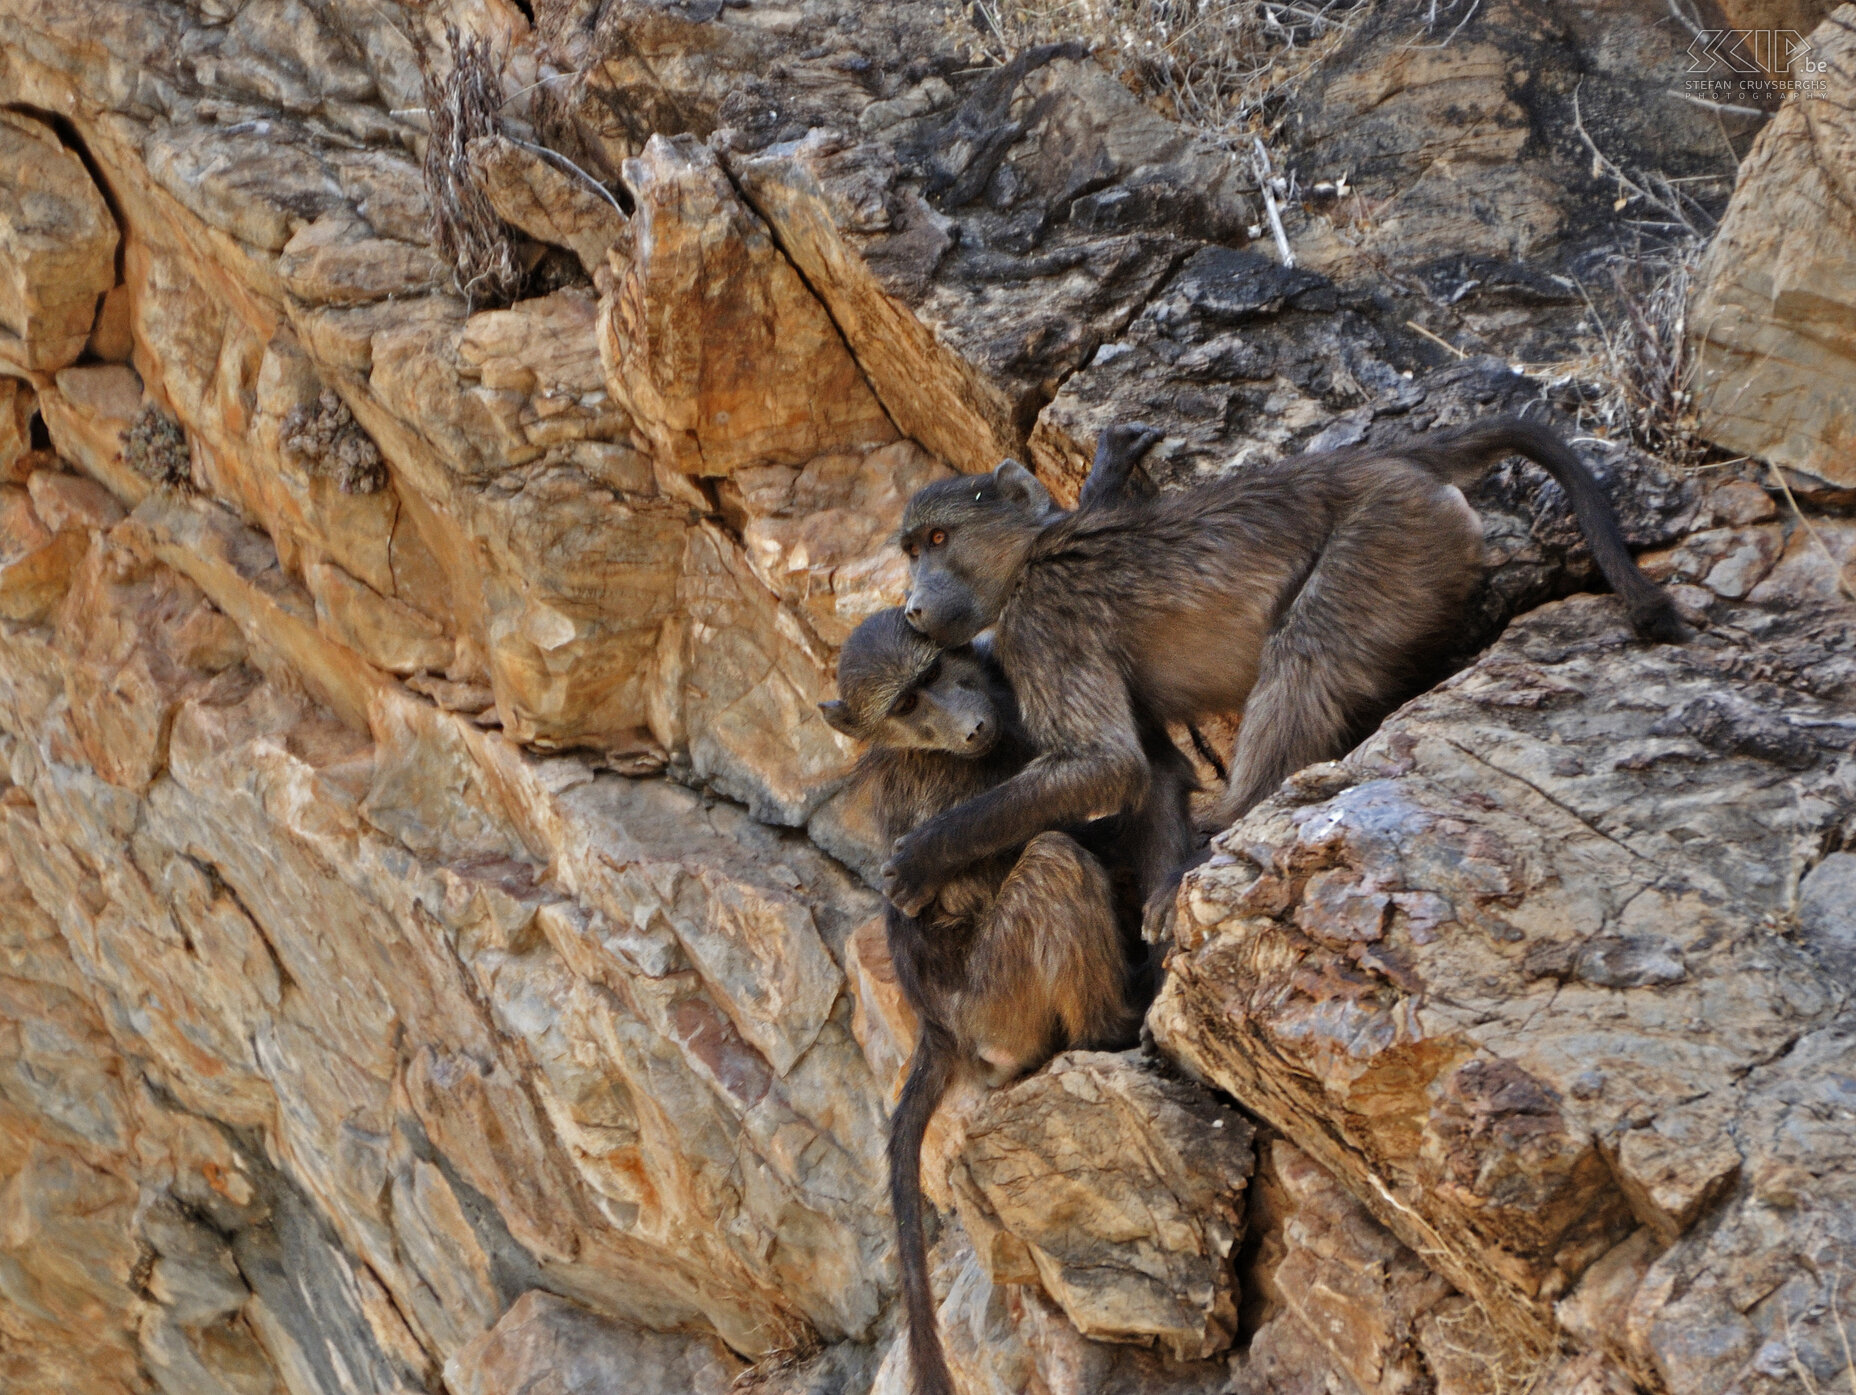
(1051, 792)
(1076, 708)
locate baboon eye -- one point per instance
(905, 705)
(937, 537)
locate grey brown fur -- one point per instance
(1309, 593)
(1015, 957)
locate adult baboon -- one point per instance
(1309, 593)
(1013, 959)
(1018, 956)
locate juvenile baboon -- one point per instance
(1308, 593)
(1018, 956)
(1012, 959)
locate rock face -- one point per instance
(1121, 1192)
(61, 248)
(1479, 971)
(438, 950)
(1771, 321)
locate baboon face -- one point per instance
(967, 540)
(900, 691)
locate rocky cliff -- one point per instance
(442, 446)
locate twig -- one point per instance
(1805, 1378)
(539, 82)
(1843, 1333)
(1436, 339)
(1811, 528)
(1605, 165)
(1468, 15)
(559, 158)
(1684, 20)
(1267, 182)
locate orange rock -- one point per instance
(71, 501)
(86, 415)
(16, 407)
(60, 242)
(711, 339)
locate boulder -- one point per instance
(545, 1345)
(977, 254)
(17, 404)
(712, 341)
(548, 198)
(1120, 1191)
(57, 248)
(1771, 307)
(1522, 1001)
(86, 417)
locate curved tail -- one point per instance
(930, 1072)
(1461, 456)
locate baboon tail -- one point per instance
(930, 1073)
(1461, 456)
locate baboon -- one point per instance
(1309, 593)
(1020, 954)
(1014, 958)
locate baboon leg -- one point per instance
(1163, 841)
(1162, 824)
(1046, 969)
(1300, 712)
(1335, 664)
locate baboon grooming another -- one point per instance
(1309, 593)
(1013, 959)
(1018, 956)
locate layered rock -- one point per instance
(428, 957)
(61, 248)
(1521, 969)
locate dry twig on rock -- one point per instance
(466, 230)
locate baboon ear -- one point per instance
(839, 716)
(1014, 481)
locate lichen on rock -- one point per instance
(325, 439)
(155, 447)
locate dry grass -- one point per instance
(1639, 378)
(461, 104)
(1218, 67)
(1462, 1336)
(1645, 371)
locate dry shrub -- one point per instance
(325, 439)
(155, 447)
(462, 105)
(1215, 66)
(1641, 376)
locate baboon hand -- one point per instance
(1159, 915)
(1131, 439)
(909, 881)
